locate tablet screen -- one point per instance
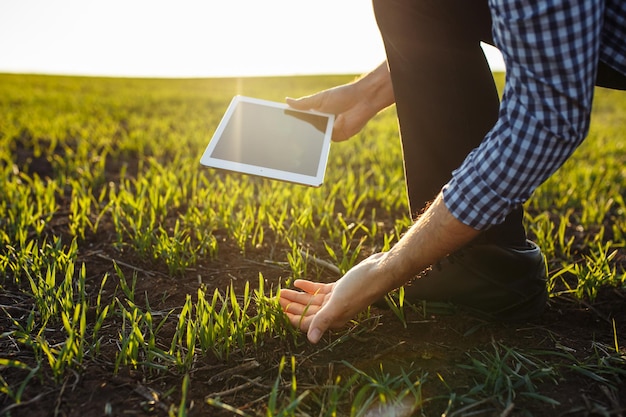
(271, 139)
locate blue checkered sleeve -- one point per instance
(551, 50)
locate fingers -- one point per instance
(312, 102)
(316, 328)
(314, 293)
(300, 303)
(328, 317)
(351, 113)
(316, 102)
(313, 287)
(310, 322)
(299, 322)
(304, 303)
(339, 133)
(300, 307)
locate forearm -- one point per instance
(435, 234)
(376, 88)
(326, 306)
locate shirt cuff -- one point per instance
(471, 200)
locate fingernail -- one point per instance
(314, 335)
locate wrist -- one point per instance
(376, 88)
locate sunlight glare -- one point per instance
(194, 38)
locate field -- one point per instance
(133, 281)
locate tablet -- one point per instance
(272, 140)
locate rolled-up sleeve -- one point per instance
(551, 50)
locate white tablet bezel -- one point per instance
(311, 180)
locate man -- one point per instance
(476, 159)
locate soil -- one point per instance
(433, 344)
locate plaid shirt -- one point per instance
(551, 50)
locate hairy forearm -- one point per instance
(434, 235)
(326, 306)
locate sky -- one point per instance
(191, 38)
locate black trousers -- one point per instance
(445, 94)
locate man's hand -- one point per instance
(329, 306)
(326, 306)
(351, 114)
(352, 104)
(300, 307)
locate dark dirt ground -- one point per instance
(434, 343)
